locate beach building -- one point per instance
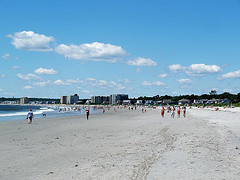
(200, 101)
(24, 100)
(214, 101)
(139, 102)
(117, 98)
(100, 99)
(184, 101)
(149, 102)
(63, 100)
(226, 101)
(72, 99)
(126, 102)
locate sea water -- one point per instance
(19, 112)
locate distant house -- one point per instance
(226, 101)
(149, 102)
(184, 101)
(126, 102)
(139, 102)
(88, 101)
(167, 101)
(214, 101)
(200, 101)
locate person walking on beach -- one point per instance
(173, 112)
(184, 111)
(30, 116)
(162, 112)
(178, 111)
(87, 112)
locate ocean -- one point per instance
(19, 112)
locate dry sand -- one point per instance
(123, 145)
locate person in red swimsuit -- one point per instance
(178, 112)
(162, 112)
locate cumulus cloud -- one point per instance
(231, 75)
(141, 62)
(42, 83)
(93, 52)
(175, 67)
(30, 41)
(201, 69)
(27, 87)
(86, 91)
(162, 75)
(15, 67)
(6, 56)
(138, 70)
(45, 71)
(92, 83)
(196, 69)
(29, 76)
(156, 83)
(184, 81)
(60, 82)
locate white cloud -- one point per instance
(6, 56)
(27, 87)
(196, 69)
(162, 75)
(74, 81)
(60, 82)
(201, 69)
(45, 71)
(42, 83)
(3, 76)
(138, 70)
(227, 90)
(157, 83)
(127, 81)
(86, 91)
(184, 81)
(30, 41)
(91, 52)
(1, 89)
(175, 67)
(15, 67)
(145, 83)
(141, 62)
(231, 75)
(28, 76)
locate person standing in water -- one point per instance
(30, 116)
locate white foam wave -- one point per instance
(24, 113)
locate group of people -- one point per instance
(30, 115)
(172, 110)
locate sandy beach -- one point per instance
(123, 144)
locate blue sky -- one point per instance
(103, 47)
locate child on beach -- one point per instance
(30, 116)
